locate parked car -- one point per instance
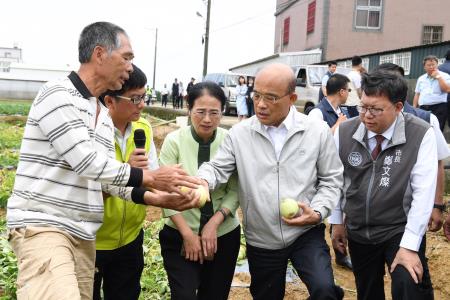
(309, 81)
(228, 82)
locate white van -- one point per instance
(228, 82)
(309, 81)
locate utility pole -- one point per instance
(154, 59)
(205, 54)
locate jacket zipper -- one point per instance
(369, 192)
(278, 194)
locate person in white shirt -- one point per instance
(432, 89)
(388, 193)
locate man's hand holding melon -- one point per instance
(298, 213)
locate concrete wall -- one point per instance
(401, 26)
(299, 40)
(24, 81)
(19, 89)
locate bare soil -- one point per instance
(438, 253)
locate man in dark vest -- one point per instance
(443, 151)
(332, 65)
(388, 193)
(330, 111)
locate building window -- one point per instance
(348, 63)
(432, 34)
(287, 22)
(368, 14)
(311, 17)
(403, 59)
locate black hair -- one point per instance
(103, 34)
(239, 80)
(209, 88)
(332, 63)
(391, 67)
(356, 61)
(136, 80)
(385, 83)
(336, 82)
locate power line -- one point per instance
(240, 22)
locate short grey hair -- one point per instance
(430, 58)
(103, 34)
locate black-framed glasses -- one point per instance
(373, 110)
(213, 114)
(348, 90)
(135, 99)
(270, 98)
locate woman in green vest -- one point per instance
(200, 246)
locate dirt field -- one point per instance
(438, 253)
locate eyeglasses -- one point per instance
(135, 99)
(373, 111)
(213, 114)
(270, 98)
(348, 90)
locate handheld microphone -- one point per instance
(139, 138)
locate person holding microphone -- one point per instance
(119, 254)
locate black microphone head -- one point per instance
(139, 138)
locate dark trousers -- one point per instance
(250, 107)
(180, 101)
(448, 110)
(120, 270)
(310, 256)
(174, 100)
(191, 280)
(369, 267)
(439, 110)
(164, 100)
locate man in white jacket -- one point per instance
(280, 154)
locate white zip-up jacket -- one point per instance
(308, 170)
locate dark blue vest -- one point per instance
(420, 113)
(329, 115)
(321, 95)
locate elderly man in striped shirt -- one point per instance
(67, 158)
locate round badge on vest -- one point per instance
(355, 159)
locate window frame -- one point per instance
(403, 59)
(311, 18)
(368, 8)
(286, 25)
(430, 41)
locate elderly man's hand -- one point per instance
(307, 217)
(169, 179)
(173, 201)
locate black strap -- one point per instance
(204, 151)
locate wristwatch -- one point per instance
(320, 216)
(441, 207)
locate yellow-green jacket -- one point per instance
(123, 219)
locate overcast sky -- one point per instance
(240, 31)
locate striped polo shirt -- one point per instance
(66, 155)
